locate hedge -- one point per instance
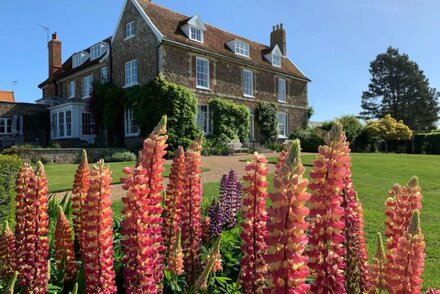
(427, 143)
(9, 167)
(230, 119)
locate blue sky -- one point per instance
(332, 41)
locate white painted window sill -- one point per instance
(248, 96)
(282, 101)
(203, 88)
(131, 135)
(85, 97)
(130, 85)
(129, 37)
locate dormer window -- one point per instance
(79, 58)
(196, 34)
(274, 57)
(242, 48)
(276, 60)
(194, 29)
(95, 51)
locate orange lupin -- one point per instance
(7, 252)
(98, 241)
(79, 194)
(64, 247)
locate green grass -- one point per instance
(60, 176)
(374, 174)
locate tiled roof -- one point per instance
(67, 68)
(7, 96)
(169, 22)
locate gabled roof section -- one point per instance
(7, 96)
(197, 22)
(168, 23)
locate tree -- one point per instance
(350, 124)
(388, 129)
(398, 87)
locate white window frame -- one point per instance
(71, 88)
(61, 124)
(95, 52)
(282, 90)
(6, 123)
(205, 123)
(200, 74)
(87, 86)
(283, 124)
(131, 73)
(251, 124)
(76, 60)
(68, 123)
(242, 48)
(248, 83)
(196, 34)
(103, 74)
(276, 60)
(130, 30)
(130, 125)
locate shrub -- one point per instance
(231, 120)
(266, 115)
(310, 138)
(9, 167)
(121, 156)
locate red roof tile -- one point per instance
(168, 23)
(7, 96)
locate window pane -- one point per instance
(202, 73)
(196, 34)
(248, 83)
(281, 90)
(68, 123)
(61, 123)
(203, 121)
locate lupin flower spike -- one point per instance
(326, 250)
(7, 253)
(142, 224)
(253, 226)
(230, 199)
(378, 267)
(287, 240)
(64, 251)
(98, 240)
(175, 258)
(79, 194)
(407, 267)
(191, 209)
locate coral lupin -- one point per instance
(286, 262)
(171, 213)
(64, 252)
(79, 194)
(190, 214)
(175, 257)
(32, 228)
(253, 226)
(7, 253)
(378, 267)
(326, 251)
(142, 224)
(97, 227)
(407, 268)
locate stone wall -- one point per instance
(78, 78)
(62, 155)
(142, 47)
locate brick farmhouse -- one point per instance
(149, 40)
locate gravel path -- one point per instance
(217, 165)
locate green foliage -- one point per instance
(9, 167)
(351, 125)
(121, 156)
(387, 129)
(310, 138)
(231, 120)
(106, 104)
(399, 87)
(158, 97)
(212, 146)
(427, 143)
(266, 115)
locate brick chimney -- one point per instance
(278, 37)
(55, 64)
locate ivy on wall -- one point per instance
(230, 120)
(149, 103)
(266, 115)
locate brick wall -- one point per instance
(78, 78)
(143, 47)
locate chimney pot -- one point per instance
(54, 36)
(278, 37)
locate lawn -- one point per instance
(60, 176)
